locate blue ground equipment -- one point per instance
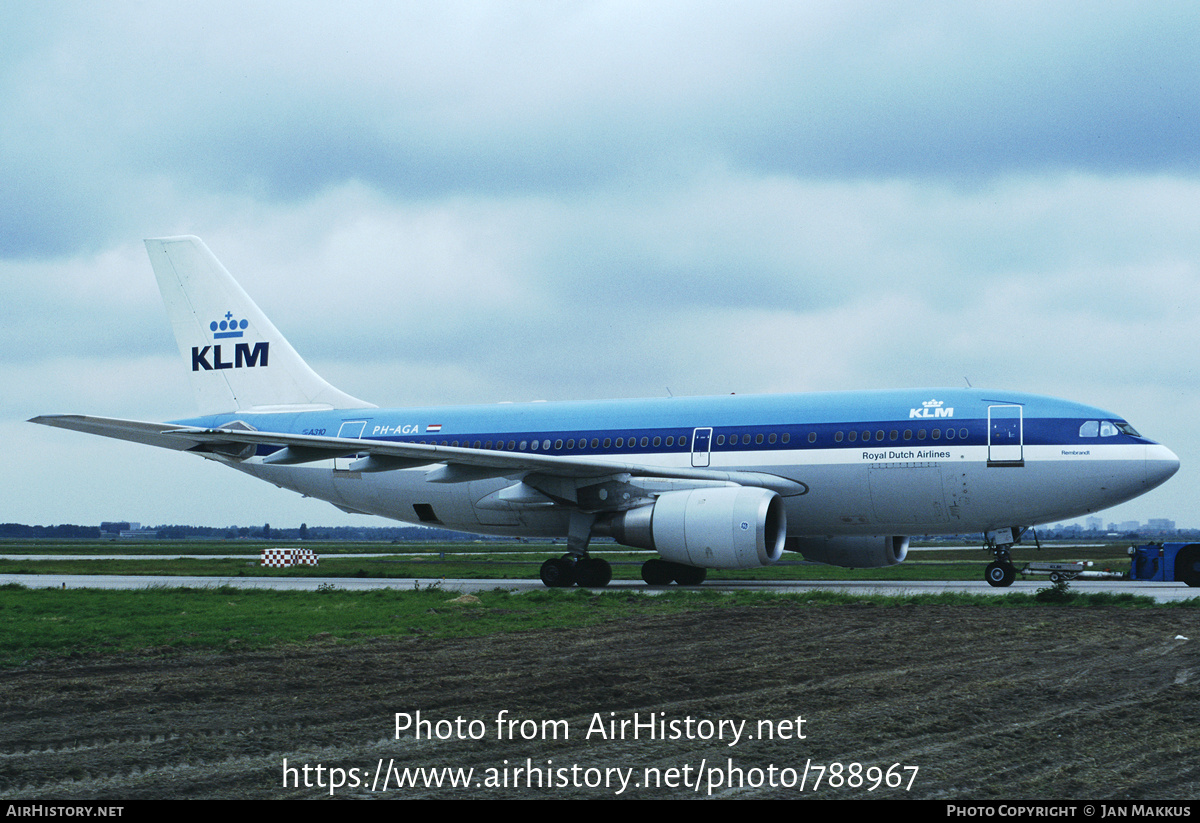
(1166, 562)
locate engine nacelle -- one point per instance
(852, 552)
(716, 528)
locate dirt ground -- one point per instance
(986, 703)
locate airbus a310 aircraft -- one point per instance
(706, 482)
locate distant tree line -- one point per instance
(64, 531)
(266, 531)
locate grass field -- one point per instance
(51, 623)
(488, 560)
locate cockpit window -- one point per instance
(1106, 428)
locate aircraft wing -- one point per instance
(459, 463)
(447, 464)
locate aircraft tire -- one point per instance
(593, 573)
(689, 575)
(657, 572)
(1000, 575)
(558, 574)
(1187, 566)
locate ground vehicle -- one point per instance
(1166, 562)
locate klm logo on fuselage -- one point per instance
(245, 356)
(931, 408)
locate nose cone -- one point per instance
(1161, 464)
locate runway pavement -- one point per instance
(1161, 592)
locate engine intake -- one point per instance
(715, 528)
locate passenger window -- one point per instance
(1090, 429)
(852, 436)
(720, 440)
(658, 441)
(812, 437)
(837, 437)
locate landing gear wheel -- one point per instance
(689, 575)
(558, 574)
(593, 573)
(657, 572)
(1187, 566)
(1000, 574)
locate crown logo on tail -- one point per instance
(228, 327)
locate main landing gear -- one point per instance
(577, 567)
(663, 573)
(1001, 572)
(595, 573)
(569, 570)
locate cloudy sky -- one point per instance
(483, 201)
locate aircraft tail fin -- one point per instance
(237, 359)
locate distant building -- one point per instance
(124, 528)
(114, 528)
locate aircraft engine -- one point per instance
(715, 528)
(852, 552)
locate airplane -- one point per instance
(727, 482)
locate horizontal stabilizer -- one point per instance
(136, 431)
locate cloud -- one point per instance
(472, 202)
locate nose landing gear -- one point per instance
(1001, 572)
